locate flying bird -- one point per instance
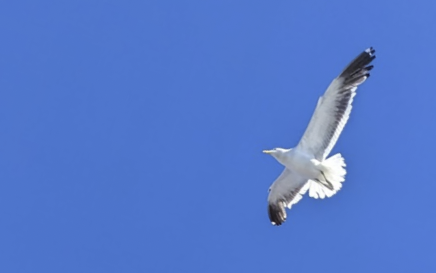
(307, 167)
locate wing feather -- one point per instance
(334, 107)
(286, 190)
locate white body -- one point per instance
(300, 162)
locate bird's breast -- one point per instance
(303, 164)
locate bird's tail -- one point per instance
(330, 180)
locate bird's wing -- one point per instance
(284, 192)
(334, 107)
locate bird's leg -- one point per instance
(329, 185)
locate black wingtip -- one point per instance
(360, 62)
(370, 50)
(277, 213)
(358, 70)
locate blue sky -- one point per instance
(131, 135)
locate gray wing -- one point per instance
(334, 107)
(286, 190)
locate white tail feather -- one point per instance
(334, 172)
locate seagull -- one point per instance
(307, 167)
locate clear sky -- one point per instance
(131, 135)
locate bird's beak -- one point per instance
(267, 151)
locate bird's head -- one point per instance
(276, 152)
(279, 154)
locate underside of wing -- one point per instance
(334, 107)
(284, 192)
